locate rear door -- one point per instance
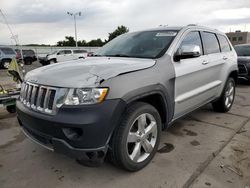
(216, 60)
(195, 81)
(227, 56)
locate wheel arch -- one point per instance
(233, 74)
(155, 95)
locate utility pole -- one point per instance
(74, 15)
(14, 37)
(6, 22)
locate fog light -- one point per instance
(72, 133)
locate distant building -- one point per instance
(239, 37)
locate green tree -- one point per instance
(95, 42)
(119, 30)
(82, 43)
(69, 41)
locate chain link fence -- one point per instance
(42, 51)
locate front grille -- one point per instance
(242, 70)
(39, 98)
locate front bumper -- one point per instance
(244, 70)
(95, 122)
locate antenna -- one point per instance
(14, 37)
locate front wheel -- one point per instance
(136, 140)
(11, 109)
(52, 61)
(6, 64)
(225, 102)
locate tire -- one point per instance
(11, 109)
(52, 61)
(28, 61)
(225, 102)
(123, 147)
(5, 64)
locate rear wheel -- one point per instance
(225, 102)
(136, 140)
(28, 61)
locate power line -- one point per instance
(14, 37)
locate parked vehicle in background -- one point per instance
(120, 100)
(6, 55)
(29, 56)
(243, 52)
(90, 54)
(66, 55)
(43, 60)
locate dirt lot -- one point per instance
(204, 149)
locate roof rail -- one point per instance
(192, 25)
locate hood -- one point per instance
(243, 59)
(86, 72)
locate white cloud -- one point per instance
(46, 21)
(233, 14)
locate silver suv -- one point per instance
(119, 101)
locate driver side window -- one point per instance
(60, 52)
(192, 38)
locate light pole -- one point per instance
(74, 15)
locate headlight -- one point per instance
(85, 96)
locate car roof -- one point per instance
(179, 28)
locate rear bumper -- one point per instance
(94, 123)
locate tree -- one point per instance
(69, 41)
(82, 43)
(95, 42)
(120, 30)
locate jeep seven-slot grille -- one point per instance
(38, 97)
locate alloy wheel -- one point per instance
(229, 95)
(6, 64)
(142, 137)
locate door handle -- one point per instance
(224, 58)
(205, 62)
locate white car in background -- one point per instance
(66, 55)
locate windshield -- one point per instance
(53, 53)
(8, 51)
(146, 44)
(242, 50)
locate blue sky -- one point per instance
(46, 21)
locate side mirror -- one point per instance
(188, 51)
(58, 53)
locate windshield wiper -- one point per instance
(118, 55)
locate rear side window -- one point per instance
(79, 51)
(192, 38)
(224, 45)
(210, 43)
